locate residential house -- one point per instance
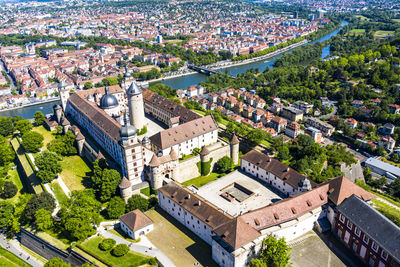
(351, 123)
(293, 129)
(278, 123)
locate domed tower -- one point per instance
(127, 133)
(109, 103)
(135, 104)
(234, 149)
(127, 79)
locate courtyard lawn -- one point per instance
(74, 171)
(9, 259)
(47, 135)
(181, 246)
(91, 246)
(383, 34)
(202, 180)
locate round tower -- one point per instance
(204, 154)
(125, 189)
(136, 107)
(156, 178)
(234, 149)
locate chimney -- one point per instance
(198, 203)
(188, 196)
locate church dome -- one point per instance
(108, 100)
(127, 130)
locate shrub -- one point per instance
(137, 202)
(107, 244)
(223, 165)
(9, 189)
(120, 250)
(152, 261)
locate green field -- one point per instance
(130, 259)
(74, 172)
(58, 192)
(9, 259)
(362, 17)
(202, 180)
(396, 20)
(388, 211)
(356, 32)
(383, 34)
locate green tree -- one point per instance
(107, 244)
(87, 85)
(80, 213)
(40, 201)
(7, 154)
(395, 188)
(23, 126)
(32, 141)
(283, 153)
(137, 202)
(9, 189)
(59, 129)
(57, 146)
(223, 165)
(43, 219)
(275, 253)
(256, 136)
(56, 262)
(115, 208)
(6, 214)
(48, 165)
(110, 180)
(39, 118)
(6, 126)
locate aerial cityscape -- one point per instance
(199, 133)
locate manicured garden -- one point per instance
(91, 246)
(356, 32)
(74, 172)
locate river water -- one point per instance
(184, 81)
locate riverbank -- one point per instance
(31, 104)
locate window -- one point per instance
(349, 224)
(374, 247)
(357, 231)
(341, 218)
(366, 239)
(384, 255)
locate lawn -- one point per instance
(181, 246)
(362, 17)
(131, 259)
(148, 191)
(9, 259)
(52, 239)
(47, 135)
(388, 211)
(383, 34)
(202, 180)
(396, 20)
(32, 179)
(14, 177)
(356, 32)
(58, 192)
(74, 171)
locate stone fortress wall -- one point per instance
(188, 168)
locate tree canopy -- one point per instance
(32, 141)
(39, 118)
(48, 165)
(275, 253)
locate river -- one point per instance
(193, 79)
(183, 82)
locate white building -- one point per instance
(184, 138)
(136, 224)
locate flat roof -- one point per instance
(238, 193)
(377, 163)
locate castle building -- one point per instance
(135, 104)
(184, 138)
(118, 142)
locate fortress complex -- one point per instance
(107, 120)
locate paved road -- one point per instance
(330, 115)
(14, 247)
(141, 247)
(3, 68)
